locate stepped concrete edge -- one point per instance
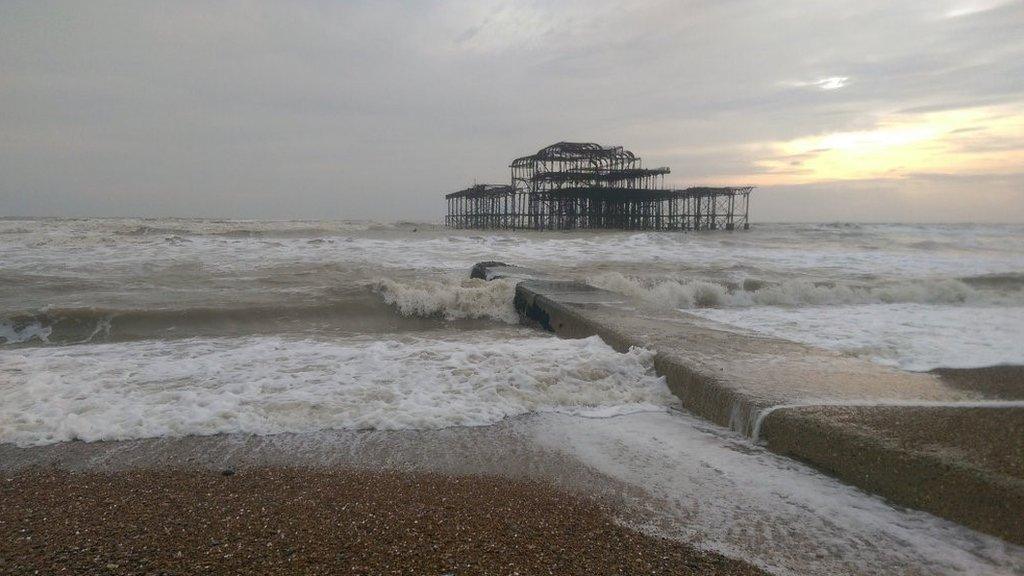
(817, 406)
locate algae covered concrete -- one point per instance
(914, 438)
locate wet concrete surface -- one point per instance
(880, 428)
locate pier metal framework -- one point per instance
(580, 185)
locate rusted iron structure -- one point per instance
(573, 185)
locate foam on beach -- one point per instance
(266, 385)
(721, 492)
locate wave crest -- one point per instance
(359, 310)
(15, 332)
(670, 293)
(703, 294)
(451, 299)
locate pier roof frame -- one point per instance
(482, 191)
(625, 193)
(576, 151)
(598, 175)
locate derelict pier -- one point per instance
(579, 185)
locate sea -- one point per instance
(329, 337)
(116, 329)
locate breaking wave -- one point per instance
(152, 231)
(355, 312)
(19, 332)
(452, 299)
(996, 289)
(385, 305)
(1006, 281)
(257, 229)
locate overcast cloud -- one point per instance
(376, 109)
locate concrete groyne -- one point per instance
(906, 436)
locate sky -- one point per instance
(863, 110)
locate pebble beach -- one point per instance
(302, 521)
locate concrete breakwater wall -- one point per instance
(906, 436)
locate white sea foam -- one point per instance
(192, 264)
(451, 298)
(33, 331)
(667, 293)
(887, 292)
(267, 385)
(672, 293)
(914, 324)
(909, 336)
(89, 247)
(717, 490)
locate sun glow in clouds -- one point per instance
(832, 83)
(827, 83)
(975, 7)
(962, 141)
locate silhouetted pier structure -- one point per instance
(573, 185)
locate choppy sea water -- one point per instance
(119, 329)
(122, 328)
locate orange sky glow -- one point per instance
(961, 141)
